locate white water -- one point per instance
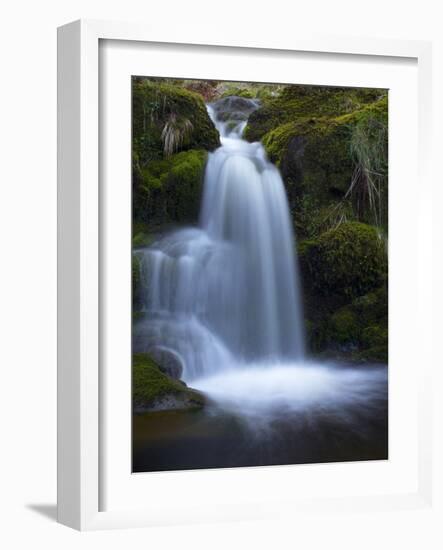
(307, 390)
(224, 297)
(226, 294)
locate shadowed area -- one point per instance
(48, 511)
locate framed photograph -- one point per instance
(240, 266)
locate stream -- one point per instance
(225, 299)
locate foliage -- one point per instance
(369, 185)
(176, 133)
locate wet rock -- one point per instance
(153, 390)
(168, 361)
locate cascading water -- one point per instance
(222, 299)
(226, 294)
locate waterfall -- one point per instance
(225, 295)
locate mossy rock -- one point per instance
(159, 106)
(344, 327)
(297, 102)
(251, 90)
(238, 92)
(169, 190)
(374, 336)
(141, 240)
(347, 261)
(320, 138)
(344, 275)
(374, 354)
(316, 155)
(357, 331)
(152, 390)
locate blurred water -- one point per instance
(226, 294)
(224, 298)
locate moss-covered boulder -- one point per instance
(344, 276)
(169, 190)
(331, 147)
(297, 102)
(167, 119)
(350, 331)
(172, 133)
(347, 261)
(153, 390)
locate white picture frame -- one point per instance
(80, 435)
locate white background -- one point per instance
(28, 270)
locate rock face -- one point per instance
(153, 390)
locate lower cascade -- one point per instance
(225, 295)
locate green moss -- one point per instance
(251, 90)
(238, 91)
(349, 333)
(169, 190)
(141, 240)
(347, 261)
(374, 336)
(295, 103)
(183, 186)
(344, 327)
(157, 104)
(321, 139)
(344, 275)
(150, 386)
(376, 353)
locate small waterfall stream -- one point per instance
(223, 300)
(226, 294)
